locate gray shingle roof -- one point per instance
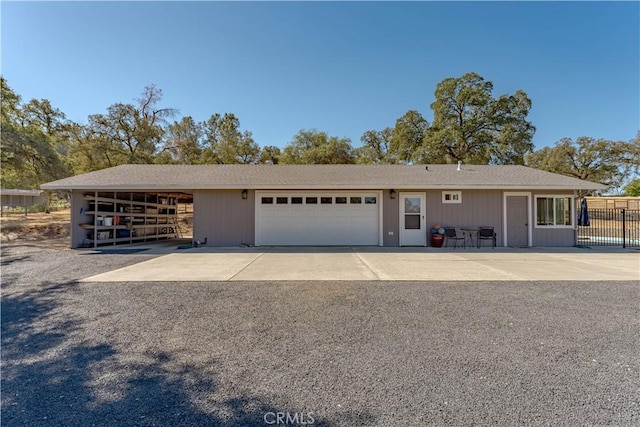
(191, 177)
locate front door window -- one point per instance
(412, 212)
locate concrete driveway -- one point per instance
(373, 263)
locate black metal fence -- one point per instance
(611, 227)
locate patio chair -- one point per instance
(452, 236)
(486, 233)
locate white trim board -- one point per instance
(555, 227)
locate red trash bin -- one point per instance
(437, 240)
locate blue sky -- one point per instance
(343, 68)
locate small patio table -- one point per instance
(470, 235)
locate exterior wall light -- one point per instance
(245, 194)
(392, 193)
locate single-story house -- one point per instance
(273, 205)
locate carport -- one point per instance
(102, 218)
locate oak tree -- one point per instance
(471, 125)
(226, 143)
(182, 143)
(408, 137)
(315, 147)
(375, 147)
(30, 136)
(611, 163)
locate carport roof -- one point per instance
(296, 177)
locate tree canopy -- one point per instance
(408, 137)
(611, 163)
(469, 124)
(376, 147)
(227, 143)
(32, 141)
(472, 126)
(315, 147)
(183, 142)
(632, 188)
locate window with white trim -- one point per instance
(452, 197)
(554, 211)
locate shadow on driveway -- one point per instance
(53, 374)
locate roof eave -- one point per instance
(129, 187)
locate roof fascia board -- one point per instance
(322, 187)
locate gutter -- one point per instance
(140, 187)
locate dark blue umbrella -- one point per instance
(583, 218)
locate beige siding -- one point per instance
(224, 217)
(228, 220)
(78, 234)
(554, 237)
(390, 219)
(478, 208)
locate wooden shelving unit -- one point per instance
(117, 218)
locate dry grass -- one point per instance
(610, 228)
(35, 226)
(54, 227)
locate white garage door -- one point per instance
(317, 218)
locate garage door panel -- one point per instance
(317, 223)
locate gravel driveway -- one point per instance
(335, 353)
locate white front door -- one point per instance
(413, 229)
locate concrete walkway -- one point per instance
(373, 263)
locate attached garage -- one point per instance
(309, 218)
